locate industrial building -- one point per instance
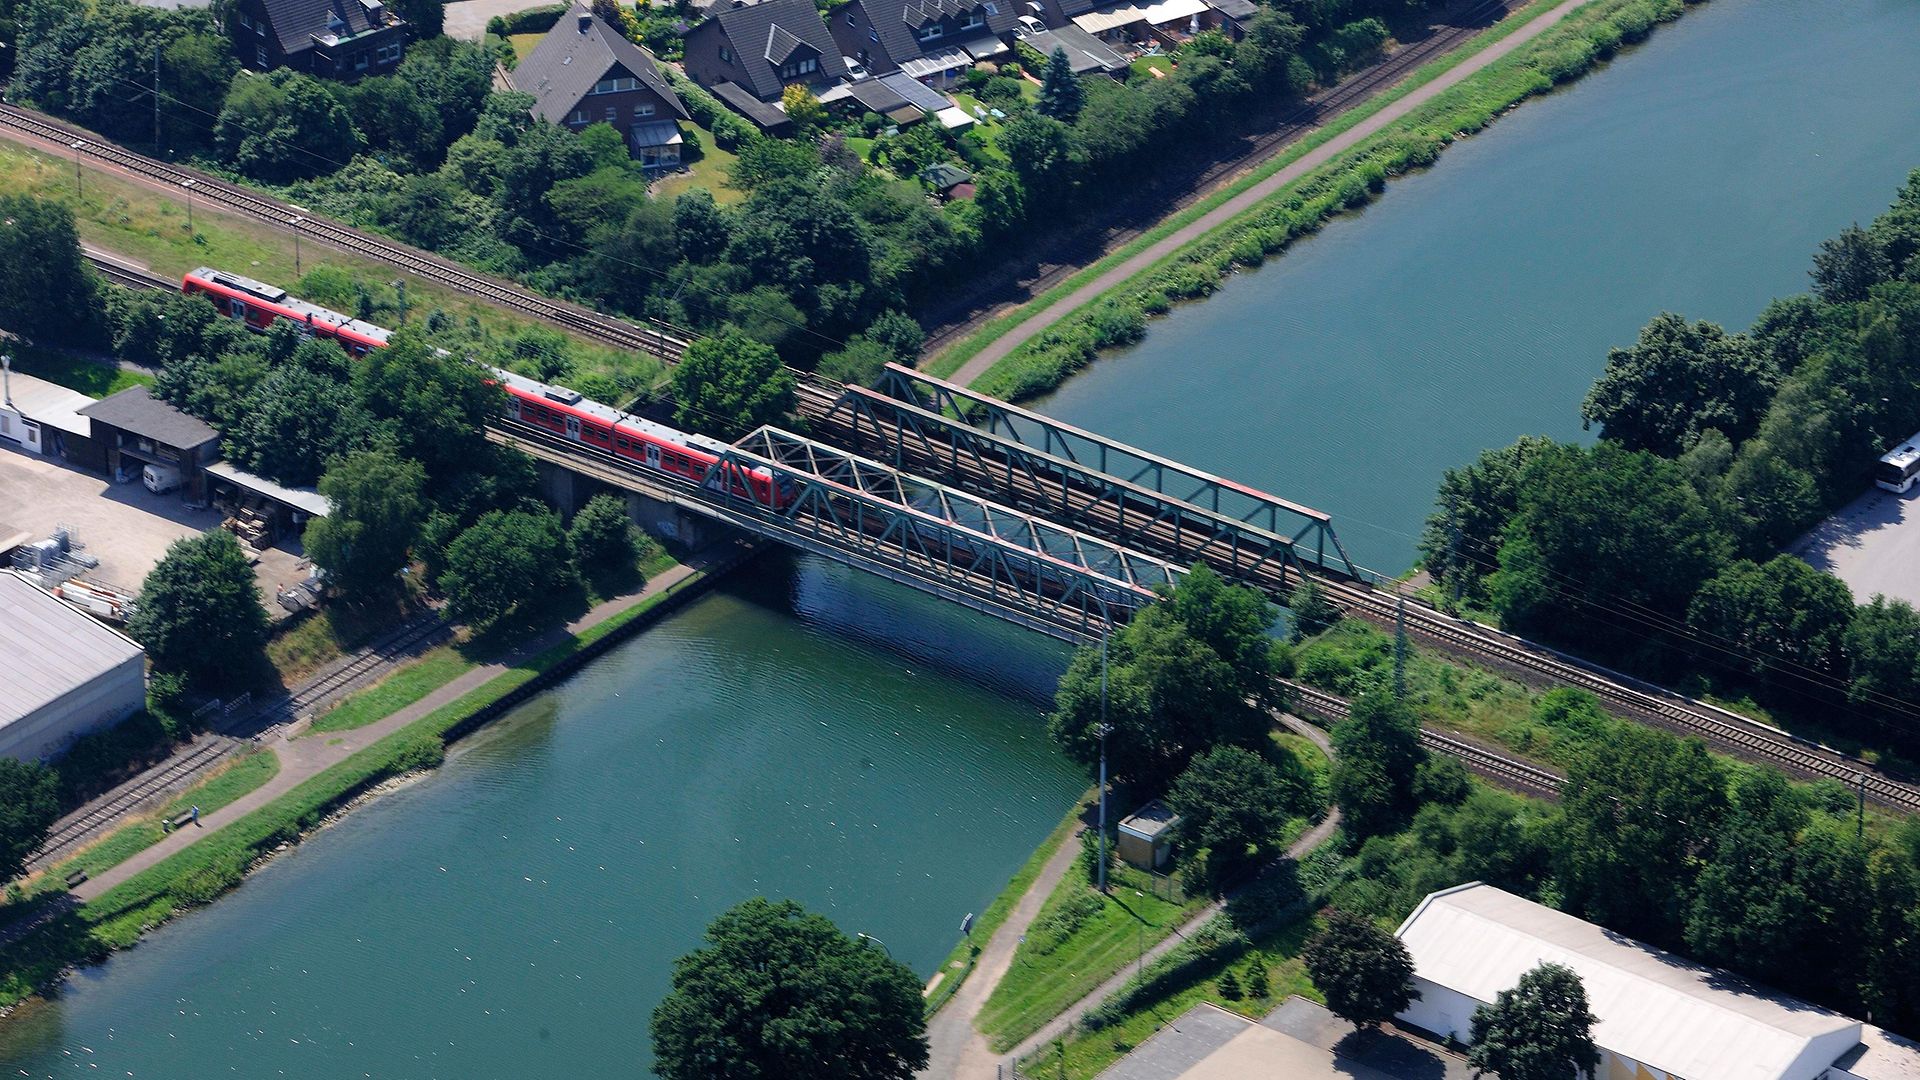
(62, 673)
(1659, 1016)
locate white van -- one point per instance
(160, 479)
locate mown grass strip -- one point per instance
(238, 777)
(430, 672)
(951, 360)
(1559, 54)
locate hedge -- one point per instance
(730, 130)
(537, 20)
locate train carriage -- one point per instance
(260, 305)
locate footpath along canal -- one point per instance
(804, 731)
(1476, 302)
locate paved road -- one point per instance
(1311, 839)
(467, 20)
(302, 759)
(1253, 196)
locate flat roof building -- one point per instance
(1660, 1016)
(62, 673)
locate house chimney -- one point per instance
(586, 21)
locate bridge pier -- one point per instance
(563, 490)
(672, 523)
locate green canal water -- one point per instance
(806, 732)
(879, 756)
(1476, 302)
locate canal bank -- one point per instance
(1476, 302)
(802, 731)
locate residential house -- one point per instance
(934, 41)
(1657, 1016)
(758, 50)
(1088, 54)
(329, 38)
(1155, 22)
(585, 72)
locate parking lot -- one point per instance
(1872, 544)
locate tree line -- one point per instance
(1658, 547)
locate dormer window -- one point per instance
(616, 86)
(335, 24)
(806, 66)
(974, 21)
(930, 31)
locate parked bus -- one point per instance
(1899, 466)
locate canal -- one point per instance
(1476, 302)
(804, 732)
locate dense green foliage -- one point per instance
(505, 559)
(29, 805)
(199, 614)
(779, 992)
(40, 258)
(1365, 972)
(1179, 678)
(1233, 803)
(1542, 1029)
(378, 502)
(604, 541)
(1376, 759)
(1656, 548)
(730, 384)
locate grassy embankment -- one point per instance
(231, 781)
(215, 864)
(1082, 938)
(959, 963)
(1561, 53)
(150, 228)
(74, 372)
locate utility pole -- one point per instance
(295, 226)
(1860, 806)
(1400, 648)
(1105, 627)
(156, 100)
(79, 189)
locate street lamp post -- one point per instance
(188, 186)
(79, 191)
(295, 226)
(864, 936)
(1104, 628)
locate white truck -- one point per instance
(160, 479)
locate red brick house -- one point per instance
(584, 72)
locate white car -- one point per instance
(855, 69)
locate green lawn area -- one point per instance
(714, 171)
(523, 44)
(236, 778)
(1144, 67)
(1277, 950)
(395, 692)
(73, 372)
(1080, 939)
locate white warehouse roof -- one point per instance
(1652, 1006)
(48, 648)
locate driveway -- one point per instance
(467, 20)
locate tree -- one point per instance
(1061, 96)
(40, 258)
(199, 614)
(1365, 972)
(1041, 150)
(1471, 513)
(1313, 610)
(728, 384)
(779, 992)
(1848, 265)
(604, 545)
(505, 559)
(284, 126)
(378, 502)
(1541, 1029)
(1638, 812)
(29, 805)
(1377, 756)
(1882, 645)
(900, 333)
(435, 404)
(428, 18)
(1233, 803)
(1783, 621)
(702, 228)
(299, 416)
(860, 363)
(805, 110)
(1679, 381)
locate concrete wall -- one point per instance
(107, 700)
(1444, 1012)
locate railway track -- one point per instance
(1507, 771)
(126, 275)
(1310, 114)
(421, 632)
(72, 832)
(660, 339)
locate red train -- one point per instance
(258, 304)
(554, 409)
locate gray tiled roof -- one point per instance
(895, 21)
(567, 63)
(49, 649)
(750, 34)
(1084, 51)
(135, 409)
(295, 22)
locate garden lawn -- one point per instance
(1080, 939)
(714, 171)
(74, 372)
(409, 684)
